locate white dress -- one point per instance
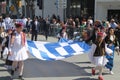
(19, 52)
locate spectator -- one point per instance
(2, 23)
(113, 24)
(35, 29)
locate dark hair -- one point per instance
(18, 25)
(109, 31)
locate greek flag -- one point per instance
(58, 50)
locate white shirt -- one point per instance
(2, 24)
(36, 23)
(112, 38)
(8, 22)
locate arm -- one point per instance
(103, 47)
(3, 42)
(3, 24)
(11, 42)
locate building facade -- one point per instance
(49, 8)
(98, 9)
(80, 8)
(107, 9)
(74, 8)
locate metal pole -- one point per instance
(42, 8)
(25, 9)
(7, 8)
(65, 14)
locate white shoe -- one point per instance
(111, 73)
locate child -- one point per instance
(2, 36)
(99, 54)
(18, 51)
(5, 42)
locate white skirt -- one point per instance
(100, 61)
(18, 55)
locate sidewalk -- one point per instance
(42, 38)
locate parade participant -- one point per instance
(99, 59)
(5, 43)
(117, 33)
(2, 36)
(18, 51)
(111, 41)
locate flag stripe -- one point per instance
(56, 51)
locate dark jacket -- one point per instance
(108, 41)
(28, 25)
(34, 27)
(7, 41)
(100, 49)
(117, 33)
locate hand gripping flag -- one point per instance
(57, 50)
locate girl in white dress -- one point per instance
(18, 51)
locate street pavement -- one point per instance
(73, 68)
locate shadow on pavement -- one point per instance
(37, 68)
(3, 70)
(82, 62)
(85, 79)
(1, 65)
(6, 78)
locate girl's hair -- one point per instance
(109, 30)
(18, 25)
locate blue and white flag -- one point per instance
(58, 50)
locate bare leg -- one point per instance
(21, 66)
(14, 65)
(100, 68)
